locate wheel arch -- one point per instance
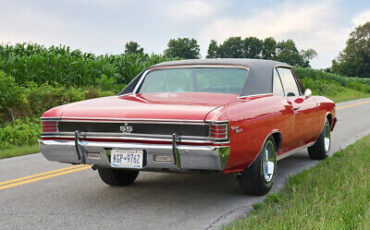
(278, 138)
(329, 116)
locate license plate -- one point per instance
(126, 158)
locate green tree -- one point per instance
(269, 48)
(287, 52)
(182, 48)
(252, 47)
(213, 50)
(307, 56)
(133, 48)
(354, 60)
(233, 47)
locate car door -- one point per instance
(305, 122)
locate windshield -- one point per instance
(196, 79)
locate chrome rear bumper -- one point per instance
(98, 153)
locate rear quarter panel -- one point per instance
(258, 117)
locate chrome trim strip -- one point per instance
(294, 151)
(139, 121)
(140, 81)
(49, 118)
(224, 121)
(129, 145)
(259, 94)
(126, 119)
(114, 135)
(166, 138)
(120, 95)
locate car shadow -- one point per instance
(192, 188)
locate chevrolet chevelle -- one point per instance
(228, 115)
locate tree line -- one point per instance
(235, 47)
(354, 60)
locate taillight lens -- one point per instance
(219, 131)
(49, 127)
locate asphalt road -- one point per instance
(79, 200)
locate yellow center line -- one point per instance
(40, 174)
(44, 177)
(352, 105)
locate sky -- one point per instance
(105, 26)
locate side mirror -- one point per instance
(307, 93)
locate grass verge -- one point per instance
(18, 151)
(349, 94)
(335, 194)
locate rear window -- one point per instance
(196, 79)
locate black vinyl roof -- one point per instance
(259, 79)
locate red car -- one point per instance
(227, 115)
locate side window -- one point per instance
(278, 88)
(289, 83)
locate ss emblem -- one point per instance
(126, 128)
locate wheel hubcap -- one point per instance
(269, 161)
(327, 137)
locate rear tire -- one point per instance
(258, 178)
(117, 177)
(321, 148)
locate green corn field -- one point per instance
(59, 64)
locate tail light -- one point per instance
(49, 126)
(219, 131)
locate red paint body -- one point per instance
(258, 116)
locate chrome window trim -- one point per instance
(273, 79)
(252, 95)
(138, 85)
(140, 81)
(294, 77)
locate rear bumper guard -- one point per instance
(98, 153)
(80, 151)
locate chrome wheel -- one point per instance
(269, 161)
(327, 137)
